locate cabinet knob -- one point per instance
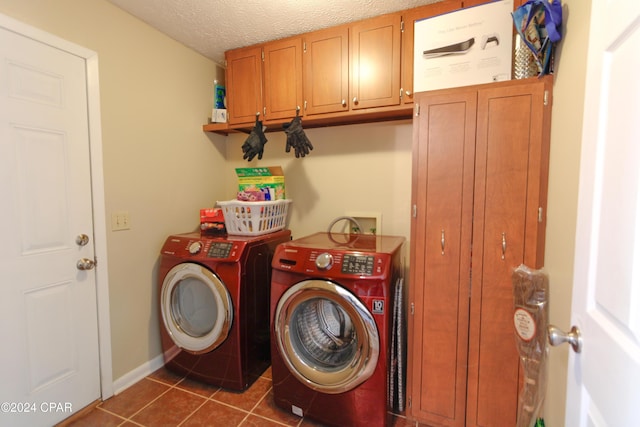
(344, 102)
(355, 100)
(408, 93)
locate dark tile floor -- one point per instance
(166, 399)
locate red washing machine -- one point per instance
(337, 330)
(214, 305)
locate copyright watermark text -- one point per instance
(32, 407)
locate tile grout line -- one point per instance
(130, 418)
(264, 396)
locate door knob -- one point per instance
(85, 264)
(557, 337)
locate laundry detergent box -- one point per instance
(269, 180)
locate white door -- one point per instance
(49, 363)
(604, 379)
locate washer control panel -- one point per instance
(343, 263)
(220, 250)
(358, 264)
(191, 247)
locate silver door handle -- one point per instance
(557, 337)
(85, 264)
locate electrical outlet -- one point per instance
(120, 221)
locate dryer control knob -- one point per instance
(324, 261)
(195, 248)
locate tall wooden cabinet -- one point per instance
(480, 166)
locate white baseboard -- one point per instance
(132, 377)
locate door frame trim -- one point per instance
(97, 186)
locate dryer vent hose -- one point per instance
(357, 227)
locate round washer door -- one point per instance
(196, 308)
(326, 336)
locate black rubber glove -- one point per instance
(254, 145)
(297, 139)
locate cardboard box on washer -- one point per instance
(268, 179)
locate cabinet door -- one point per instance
(442, 193)
(244, 84)
(375, 62)
(470, 3)
(510, 190)
(409, 18)
(282, 78)
(326, 71)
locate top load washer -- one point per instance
(336, 324)
(214, 304)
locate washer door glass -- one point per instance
(326, 336)
(196, 308)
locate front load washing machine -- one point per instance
(214, 305)
(333, 325)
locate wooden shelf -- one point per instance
(335, 119)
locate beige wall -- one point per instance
(355, 168)
(566, 139)
(161, 168)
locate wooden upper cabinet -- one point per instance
(409, 18)
(326, 71)
(282, 78)
(375, 62)
(244, 84)
(470, 3)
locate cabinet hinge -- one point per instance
(540, 214)
(262, 54)
(409, 402)
(545, 99)
(414, 211)
(402, 26)
(417, 109)
(413, 308)
(304, 47)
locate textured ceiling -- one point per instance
(213, 26)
